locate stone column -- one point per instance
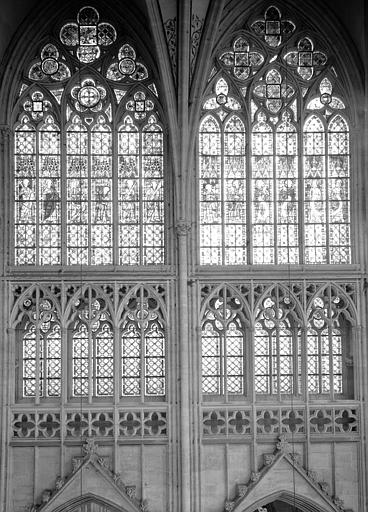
(182, 229)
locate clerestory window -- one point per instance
(274, 152)
(89, 152)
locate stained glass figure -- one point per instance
(86, 37)
(140, 190)
(222, 191)
(326, 192)
(273, 28)
(143, 346)
(37, 193)
(223, 342)
(263, 192)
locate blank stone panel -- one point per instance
(346, 474)
(23, 476)
(155, 477)
(213, 478)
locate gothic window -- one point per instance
(89, 153)
(277, 348)
(279, 192)
(223, 347)
(329, 345)
(92, 347)
(39, 336)
(142, 347)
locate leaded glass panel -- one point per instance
(297, 186)
(41, 347)
(75, 203)
(324, 347)
(223, 191)
(223, 338)
(143, 347)
(277, 349)
(141, 197)
(92, 347)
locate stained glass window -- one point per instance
(142, 347)
(293, 202)
(223, 357)
(98, 199)
(140, 192)
(223, 190)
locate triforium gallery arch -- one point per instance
(279, 340)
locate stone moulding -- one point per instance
(284, 456)
(95, 472)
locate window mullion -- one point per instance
(301, 185)
(223, 209)
(140, 198)
(275, 197)
(89, 206)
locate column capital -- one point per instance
(5, 133)
(183, 227)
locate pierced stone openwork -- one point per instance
(105, 341)
(295, 347)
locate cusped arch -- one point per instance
(300, 502)
(17, 310)
(93, 292)
(282, 292)
(232, 294)
(150, 293)
(99, 504)
(333, 291)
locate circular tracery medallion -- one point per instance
(127, 66)
(89, 96)
(50, 66)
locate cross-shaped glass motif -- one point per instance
(274, 91)
(140, 105)
(240, 60)
(87, 35)
(273, 28)
(306, 59)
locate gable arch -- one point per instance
(302, 503)
(83, 502)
